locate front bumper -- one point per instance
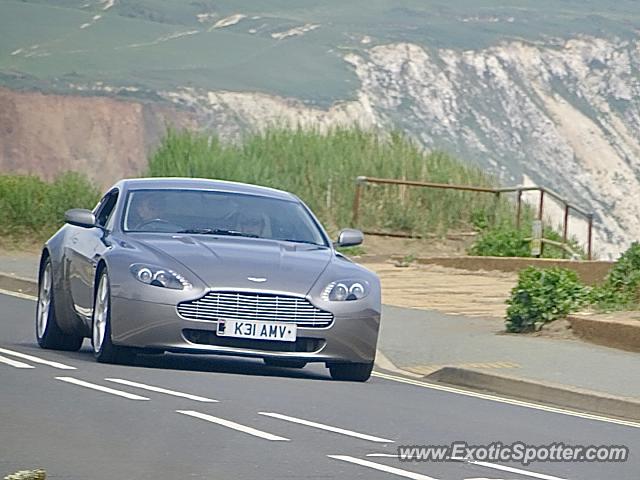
(351, 337)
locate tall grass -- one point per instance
(32, 209)
(321, 169)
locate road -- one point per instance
(178, 417)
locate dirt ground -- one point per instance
(451, 245)
(452, 291)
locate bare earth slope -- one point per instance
(103, 137)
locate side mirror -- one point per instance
(349, 237)
(80, 218)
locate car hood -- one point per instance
(230, 262)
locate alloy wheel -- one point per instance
(44, 300)
(100, 314)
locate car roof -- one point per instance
(202, 184)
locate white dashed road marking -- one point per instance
(495, 466)
(160, 390)
(14, 363)
(60, 366)
(100, 388)
(503, 468)
(329, 428)
(383, 468)
(233, 425)
(23, 296)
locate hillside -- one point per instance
(544, 92)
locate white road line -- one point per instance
(495, 466)
(160, 390)
(60, 366)
(14, 363)
(509, 401)
(23, 296)
(383, 468)
(511, 469)
(100, 388)
(233, 425)
(326, 427)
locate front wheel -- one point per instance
(351, 372)
(103, 349)
(48, 333)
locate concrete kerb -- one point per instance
(540, 392)
(618, 333)
(590, 272)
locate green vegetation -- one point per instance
(621, 288)
(31, 209)
(506, 240)
(501, 241)
(143, 42)
(321, 168)
(543, 295)
(352, 251)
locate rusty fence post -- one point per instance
(518, 208)
(356, 200)
(541, 206)
(565, 228)
(590, 237)
(540, 211)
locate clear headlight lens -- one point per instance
(346, 290)
(159, 277)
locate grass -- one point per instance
(321, 169)
(246, 57)
(31, 209)
(318, 167)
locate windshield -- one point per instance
(219, 213)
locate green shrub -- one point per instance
(621, 288)
(501, 241)
(31, 208)
(543, 295)
(506, 240)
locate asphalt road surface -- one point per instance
(186, 417)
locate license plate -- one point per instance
(284, 332)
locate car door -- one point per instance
(84, 248)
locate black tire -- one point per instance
(106, 351)
(351, 372)
(48, 333)
(278, 362)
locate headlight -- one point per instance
(159, 277)
(346, 290)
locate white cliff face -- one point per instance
(565, 114)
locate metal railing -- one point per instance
(568, 207)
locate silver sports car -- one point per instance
(203, 266)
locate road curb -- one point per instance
(541, 392)
(13, 283)
(621, 333)
(590, 272)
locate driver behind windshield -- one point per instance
(145, 210)
(251, 223)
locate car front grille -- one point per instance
(251, 306)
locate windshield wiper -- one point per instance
(218, 231)
(308, 242)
